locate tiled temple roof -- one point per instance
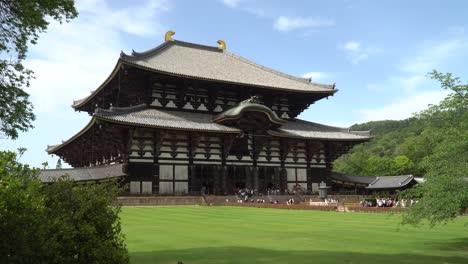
(351, 178)
(184, 59)
(83, 174)
(210, 63)
(141, 116)
(167, 119)
(170, 119)
(390, 182)
(297, 128)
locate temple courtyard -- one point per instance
(221, 234)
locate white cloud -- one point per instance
(397, 83)
(432, 56)
(412, 71)
(317, 76)
(356, 52)
(248, 6)
(74, 58)
(404, 107)
(352, 45)
(233, 3)
(284, 23)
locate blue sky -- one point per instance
(377, 53)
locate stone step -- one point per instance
(160, 200)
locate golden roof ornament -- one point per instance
(168, 36)
(222, 44)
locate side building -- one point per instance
(183, 118)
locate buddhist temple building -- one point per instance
(183, 118)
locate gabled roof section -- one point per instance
(342, 177)
(184, 59)
(165, 119)
(142, 116)
(391, 182)
(210, 63)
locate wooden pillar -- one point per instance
(214, 172)
(248, 177)
(224, 180)
(283, 179)
(255, 180)
(328, 161)
(276, 178)
(192, 185)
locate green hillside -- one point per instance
(398, 148)
(433, 142)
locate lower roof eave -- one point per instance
(319, 138)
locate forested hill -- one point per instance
(396, 149)
(433, 142)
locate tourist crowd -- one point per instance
(387, 202)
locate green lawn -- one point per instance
(253, 235)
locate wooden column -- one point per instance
(216, 183)
(255, 184)
(224, 180)
(329, 153)
(284, 148)
(283, 179)
(248, 177)
(276, 178)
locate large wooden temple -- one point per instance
(183, 118)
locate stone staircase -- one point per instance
(160, 200)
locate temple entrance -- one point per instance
(202, 179)
(237, 178)
(268, 179)
(211, 180)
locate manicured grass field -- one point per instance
(253, 235)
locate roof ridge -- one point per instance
(166, 44)
(143, 54)
(139, 55)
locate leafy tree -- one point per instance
(445, 192)
(21, 23)
(402, 165)
(433, 144)
(21, 212)
(86, 224)
(58, 223)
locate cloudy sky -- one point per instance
(377, 52)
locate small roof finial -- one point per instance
(168, 36)
(222, 44)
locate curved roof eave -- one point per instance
(81, 102)
(277, 134)
(54, 148)
(101, 118)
